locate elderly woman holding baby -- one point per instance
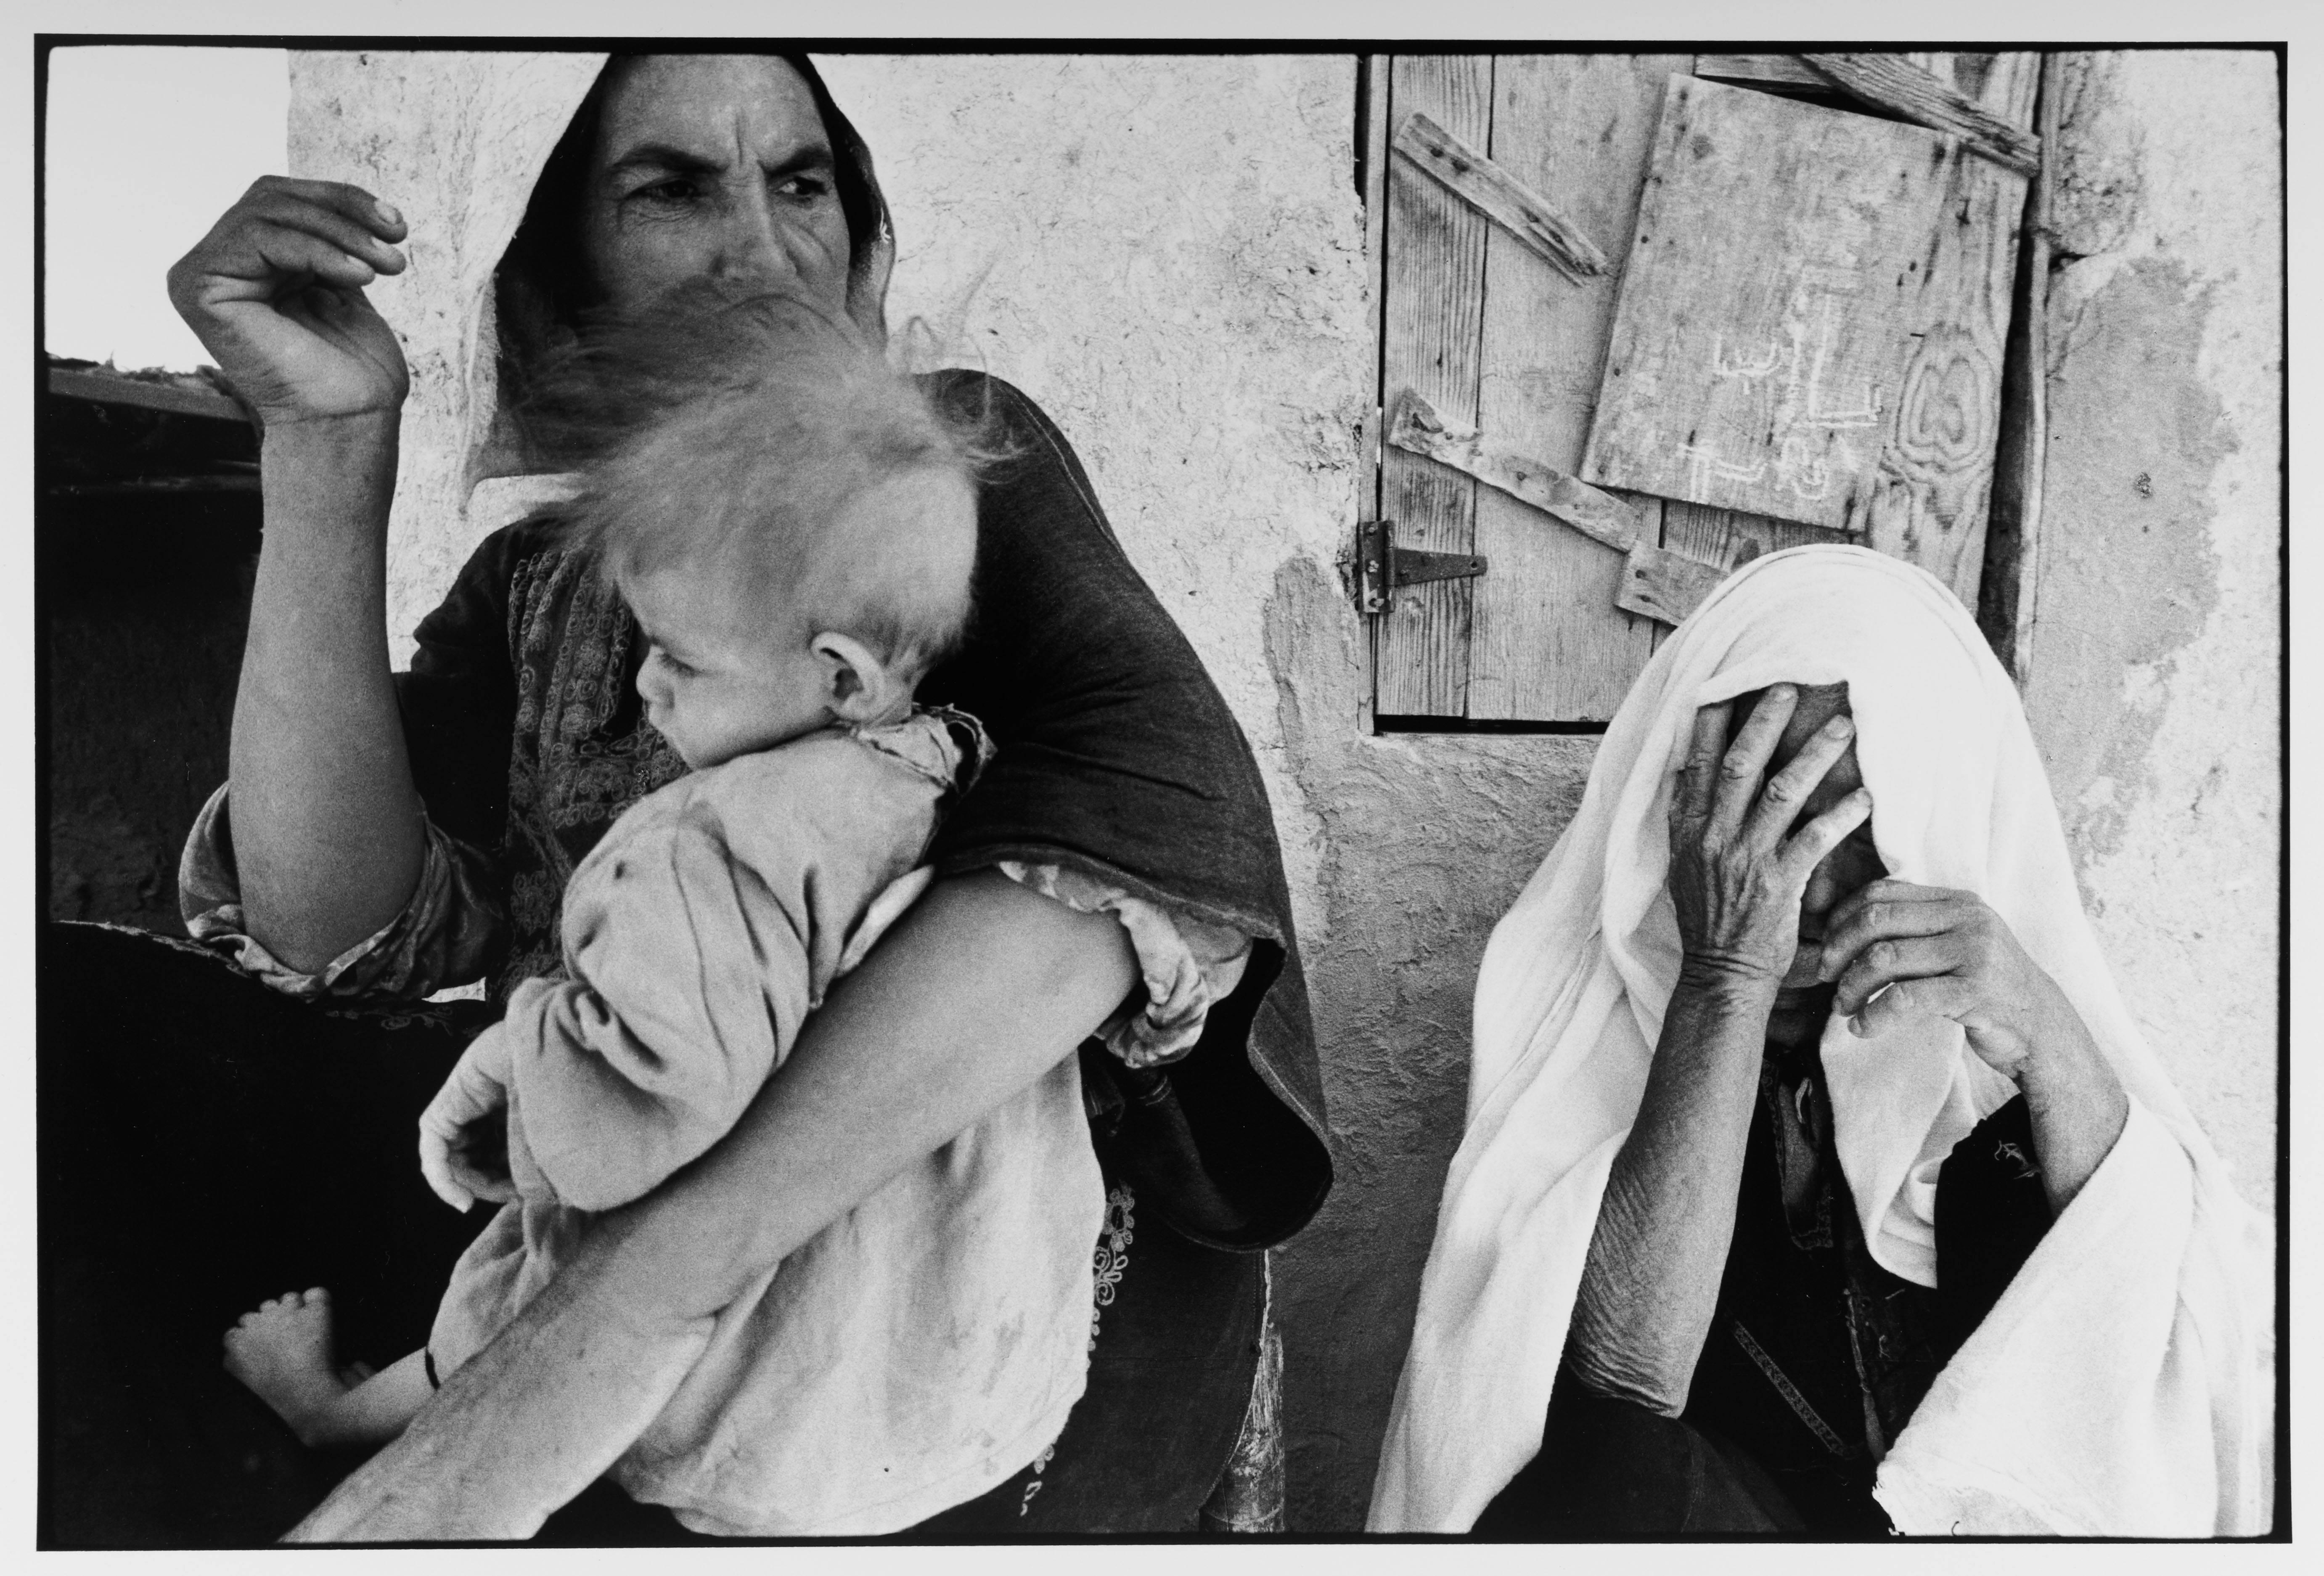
(1111, 887)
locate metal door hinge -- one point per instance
(1381, 566)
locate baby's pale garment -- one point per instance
(923, 1347)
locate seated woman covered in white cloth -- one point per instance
(1816, 1177)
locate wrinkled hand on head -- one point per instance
(464, 1131)
(1738, 869)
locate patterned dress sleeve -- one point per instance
(456, 704)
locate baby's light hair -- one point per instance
(726, 433)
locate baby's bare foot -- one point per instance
(282, 1350)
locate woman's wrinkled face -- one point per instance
(713, 167)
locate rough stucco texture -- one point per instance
(1427, 841)
(2152, 685)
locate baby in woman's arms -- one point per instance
(793, 526)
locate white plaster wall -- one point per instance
(1167, 253)
(2157, 649)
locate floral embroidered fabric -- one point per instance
(447, 932)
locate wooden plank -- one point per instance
(1896, 84)
(2007, 594)
(183, 394)
(1729, 540)
(1726, 540)
(2003, 85)
(1418, 429)
(1934, 504)
(1931, 500)
(1500, 195)
(1433, 317)
(1765, 71)
(1664, 586)
(1929, 513)
(1759, 344)
(1547, 643)
(1374, 131)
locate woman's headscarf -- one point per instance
(542, 287)
(497, 284)
(2117, 1386)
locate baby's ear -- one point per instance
(857, 686)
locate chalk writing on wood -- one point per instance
(1418, 427)
(1935, 519)
(1760, 343)
(1500, 195)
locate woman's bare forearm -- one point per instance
(978, 991)
(327, 837)
(521, 1428)
(980, 988)
(1651, 1281)
(2077, 1107)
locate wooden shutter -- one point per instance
(1499, 337)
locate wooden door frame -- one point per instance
(1371, 143)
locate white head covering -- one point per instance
(2051, 1417)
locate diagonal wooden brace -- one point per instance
(1892, 83)
(1500, 195)
(1418, 429)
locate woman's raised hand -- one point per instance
(1897, 949)
(1900, 950)
(1739, 869)
(275, 292)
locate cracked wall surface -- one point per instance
(2156, 653)
(1166, 254)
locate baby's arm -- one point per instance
(690, 980)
